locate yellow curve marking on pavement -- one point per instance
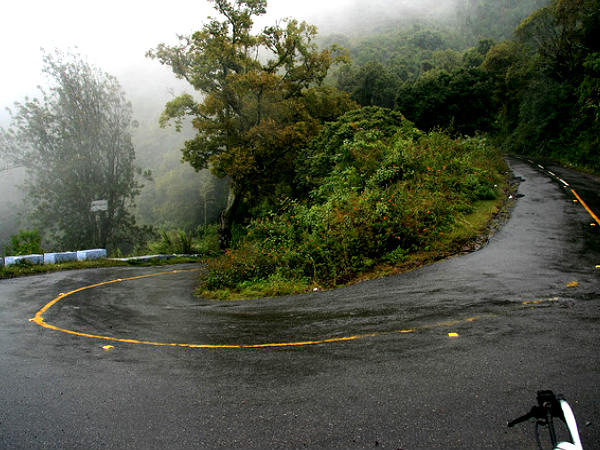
(39, 320)
(587, 208)
(540, 301)
(579, 199)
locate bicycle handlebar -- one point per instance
(550, 406)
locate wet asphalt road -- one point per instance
(526, 308)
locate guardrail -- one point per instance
(54, 258)
(147, 258)
(81, 255)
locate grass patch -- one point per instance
(469, 234)
(272, 287)
(470, 227)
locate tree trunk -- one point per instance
(226, 220)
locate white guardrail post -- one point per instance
(55, 258)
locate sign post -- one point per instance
(96, 207)
(99, 205)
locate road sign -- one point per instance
(99, 205)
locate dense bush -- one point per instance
(25, 242)
(203, 240)
(385, 191)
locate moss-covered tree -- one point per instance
(259, 100)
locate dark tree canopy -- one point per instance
(460, 101)
(535, 91)
(547, 83)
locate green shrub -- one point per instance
(234, 267)
(25, 242)
(173, 242)
(207, 240)
(396, 256)
(387, 195)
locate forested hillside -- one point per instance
(533, 85)
(176, 196)
(493, 19)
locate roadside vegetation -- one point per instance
(25, 242)
(74, 139)
(380, 194)
(203, 241)
(195, 246)
(340, 158)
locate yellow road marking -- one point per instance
(579, 199)
(586, 206)
(533, 302)
(540, 301)
(39, 320)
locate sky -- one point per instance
(113, 35)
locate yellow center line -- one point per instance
(39, 314)
(586, 206)
(588, 209)
(39, 320)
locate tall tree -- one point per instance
(75, 142)
(561, 35)
(461, 100)
(548, 78)
(371, 84)
(260, 100)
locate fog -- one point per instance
(115, 36)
